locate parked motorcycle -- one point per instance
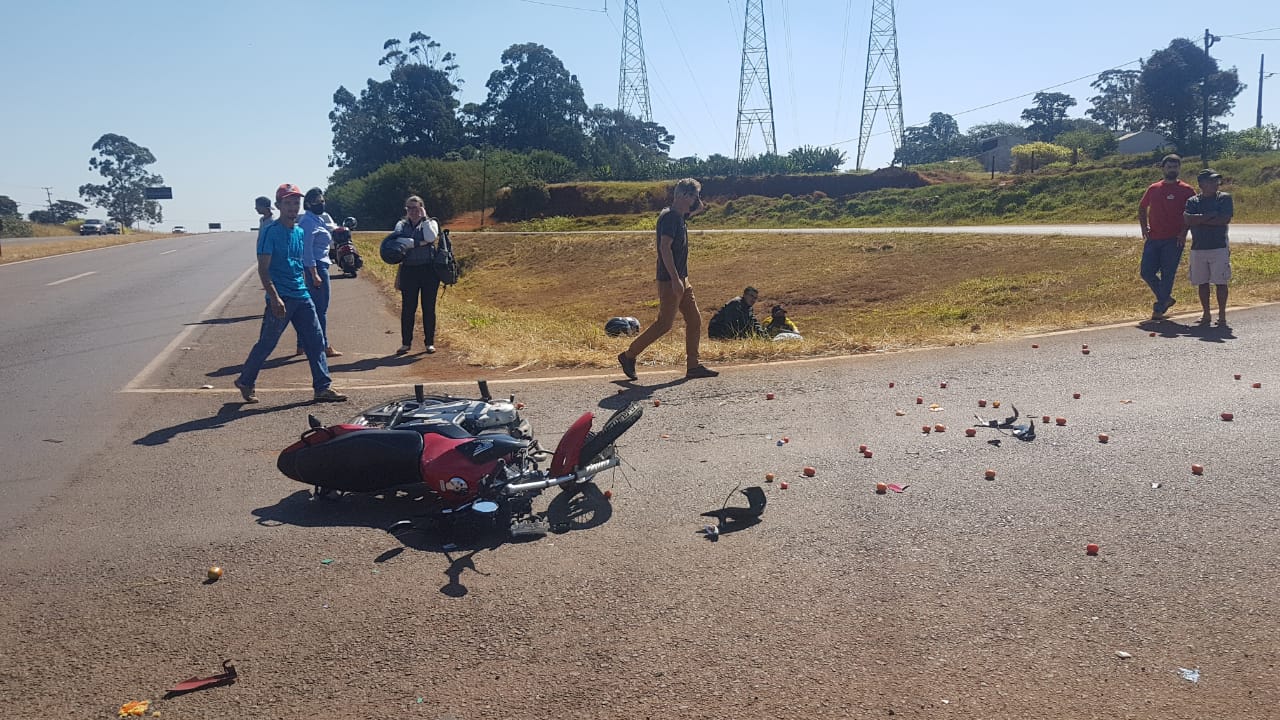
(466, 457)
(343, 252)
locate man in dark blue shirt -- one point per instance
(674, 290)
(1208, 215)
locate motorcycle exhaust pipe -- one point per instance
(585, 473)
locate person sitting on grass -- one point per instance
(736, 319)
(778, 322)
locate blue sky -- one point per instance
(233, 97)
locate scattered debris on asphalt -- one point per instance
(135, 708)
(226, 677)
(1123, 655)
(1190, 675)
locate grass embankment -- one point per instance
(13, 252)
(1105, 191)
(543, 300)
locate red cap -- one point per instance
(287, 190)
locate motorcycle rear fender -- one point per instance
(570, 447)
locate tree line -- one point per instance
(1167, 95)
(409, 133)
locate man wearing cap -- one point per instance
(280, 254)
(1164, 232)
(1208, 215)
(315, 261)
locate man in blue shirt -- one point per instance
(1208, 215)
(315, 261)
(280, 255)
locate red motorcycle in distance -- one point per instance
(343, 252)
(470, 459)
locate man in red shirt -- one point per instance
(1165, 232)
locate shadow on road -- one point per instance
(227, 413)
(275, 362)
(629, 391)
(1203, 332)
(582, 510)
(226, 321)
(374, 363)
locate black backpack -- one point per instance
(444, 264)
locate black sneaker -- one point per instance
(702, 371)
(628, 365)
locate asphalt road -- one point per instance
(960, 597)
(75, 329)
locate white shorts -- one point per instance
(1210, 266)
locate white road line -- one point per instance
(73, 277)
(212, 310)
(166, 252)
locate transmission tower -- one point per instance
(633, 80)
(882, 89)
(754, 108)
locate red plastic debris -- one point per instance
(196, 683)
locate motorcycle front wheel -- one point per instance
(599, 445)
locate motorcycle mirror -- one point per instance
(314, 422)
(486, 507)
(418, 394)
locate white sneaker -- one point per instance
(431, 349)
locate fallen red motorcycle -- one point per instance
(466, 457)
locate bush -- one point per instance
(1030, 156)
(522, 201)
(14, 226)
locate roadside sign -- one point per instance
(215, 226)
(158, 193)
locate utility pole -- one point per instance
(48, 191)
(1262, 77)
(1209, 40)
(633, 80)
(881, 90)
(754, 75)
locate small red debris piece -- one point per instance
(1197, 469)
(982, 403)
(1091, 549)
(1060, 422)
(810, 471)
(970, 432)
(784, 485)
(898, 488)
(1228, 417)
(1075, 396)
(919, 400)
(881, 488)
(1104, 438)
(227, 677)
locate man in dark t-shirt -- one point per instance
(1164, 232)
(1208, 215)
(675, 293)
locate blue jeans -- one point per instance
(320, 296)
(1160, 260)
(301, 313)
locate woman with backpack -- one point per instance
(416, 275)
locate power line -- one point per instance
(692, 75)
(1001, 102)
(564, 7)
(1241, 36)
(791, 75)
(844, 47)
(680, 120)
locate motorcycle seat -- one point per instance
(363, 461)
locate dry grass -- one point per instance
(14, 252)
(543, 300)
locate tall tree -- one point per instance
(412, 113)
(8, 206)
(984, 131)
(1169, 90)
(1045, 117)
(534, 103)
(935, 142)
(621, 146)
(1116, 105)
(123, 163)
(58, 213)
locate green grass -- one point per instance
(1101, 191)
